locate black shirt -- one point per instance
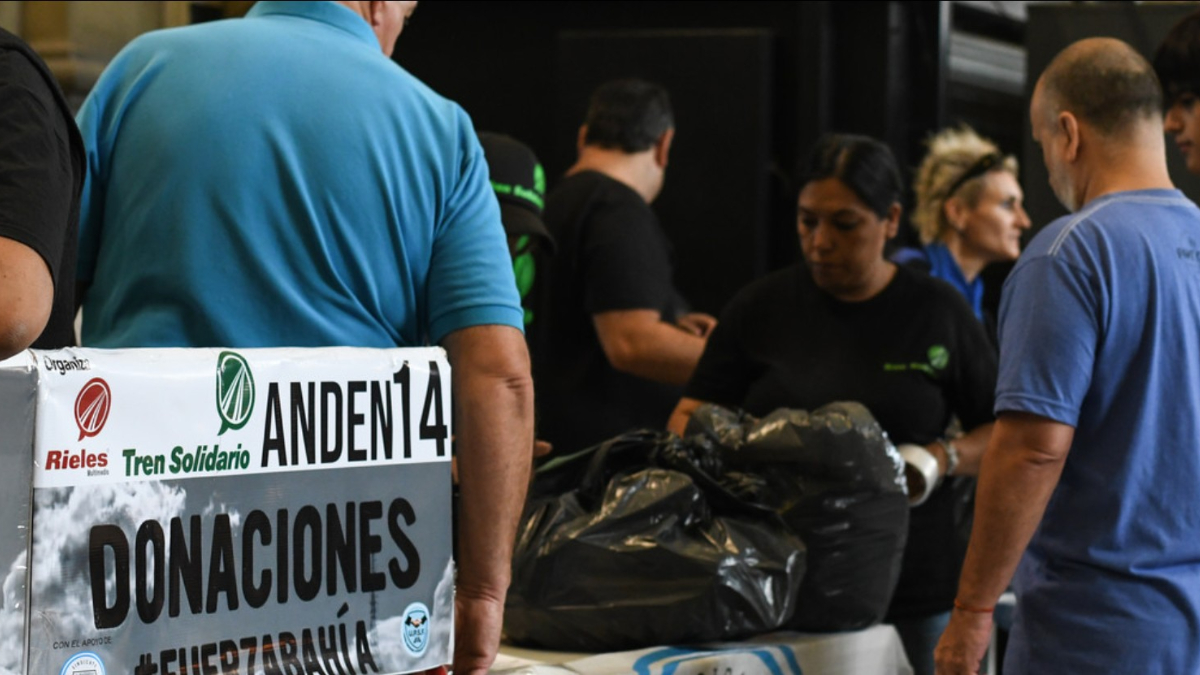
(612, 255)
(41, 176)
(914, 354)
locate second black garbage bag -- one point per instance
(838, 483)
(796, 520)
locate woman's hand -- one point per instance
(683, 412)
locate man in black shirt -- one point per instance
(41, 176)
(613, 341)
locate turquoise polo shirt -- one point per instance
(277, 181)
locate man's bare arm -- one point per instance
(26, 296)
(1020, 470)
(493, 393)
(639, 342)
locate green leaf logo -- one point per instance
(235, 391)
(939, 357)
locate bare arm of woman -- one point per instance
(683, 413)
(970, 447)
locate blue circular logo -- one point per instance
(416, 628)
(83, 663)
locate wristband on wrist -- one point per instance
(951, 455)
(972, 609)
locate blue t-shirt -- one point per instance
(278, 181)
(1100, 330)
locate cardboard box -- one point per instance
(204, 511)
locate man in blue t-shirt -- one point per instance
(279, 181)
(1095, 459)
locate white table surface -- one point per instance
(873, 651)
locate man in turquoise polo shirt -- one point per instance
(279, 181)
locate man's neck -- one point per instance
(1134, 166)
(636, 170)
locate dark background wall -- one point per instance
(754, 84)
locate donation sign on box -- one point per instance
(275, 511)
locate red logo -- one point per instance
(92, 406)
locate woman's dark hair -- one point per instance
(865, 165)
(1177, 61)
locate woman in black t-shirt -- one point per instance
(850, 325)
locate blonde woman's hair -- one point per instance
(952, 153)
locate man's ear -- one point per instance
(1068, 125)
(383, 24)
(662, 147)
(581, 139)
(375, 13)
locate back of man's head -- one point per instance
(1105, 84)
(628, 115)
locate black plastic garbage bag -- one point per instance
(656, 543)
(838, 483)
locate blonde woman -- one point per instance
(969, 211)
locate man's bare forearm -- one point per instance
(1019, 473)
(670, 357)
(638, 342)
(1021, 468)
(494, 440)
